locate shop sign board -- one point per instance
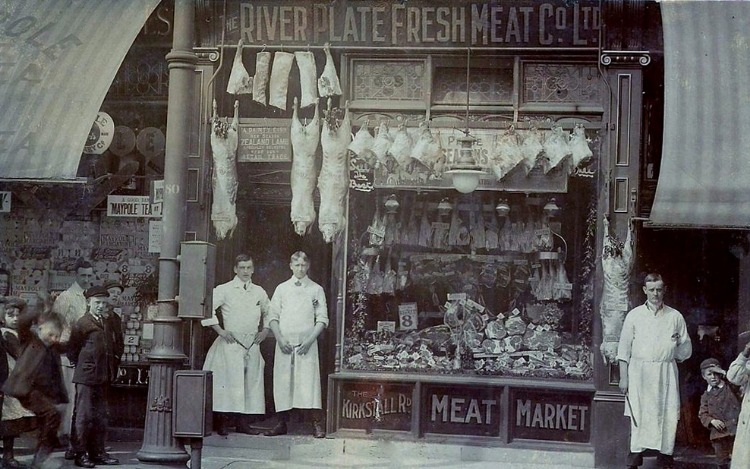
(458, 410)
(553, 416)
(264, 141)
(368, 406)
(4, 201)
(131, 206)
(417, 23)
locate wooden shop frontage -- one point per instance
(471, 315)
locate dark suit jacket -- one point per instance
(96, 347)
(722, 404)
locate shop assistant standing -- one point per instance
(654, 338)
(244, 308)
(297, 316)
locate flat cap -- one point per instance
(96, 291)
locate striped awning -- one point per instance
(57, 61)
(704, 180)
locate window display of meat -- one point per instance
(224, 141)
(333, 181)
(240, 82)
(305, 141)
(427, 149)
(307, 78)
(506, 154)
(401, 147)
(328, 83)
(362, 144)
(260, 80)
(282, 65)
(382, 143)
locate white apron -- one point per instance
(739, 374)
(238, 373)
(296, 378)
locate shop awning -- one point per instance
(57, 61)
(704, 179)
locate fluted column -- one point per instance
(167, 352)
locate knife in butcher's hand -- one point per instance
(630, 408)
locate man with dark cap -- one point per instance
(95, 350)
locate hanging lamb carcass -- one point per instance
(224, 140)
(305, 140)
(333, 181)
(617, 265)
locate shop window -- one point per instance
(486, 86)
(400, 80)
(561, 83)
(448, 284)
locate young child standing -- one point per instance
(719, 410)
(15, 418)
(36, 381)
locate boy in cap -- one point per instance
(719, 410)
(95, 350)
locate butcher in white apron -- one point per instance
(234, 357)
(297, 316)
(654, 337)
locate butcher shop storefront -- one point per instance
(450, 167)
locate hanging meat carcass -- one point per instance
(427, 149)
(556, 148)
(401, 147)
(240, 82)
(260, 80)
(282, 65)
(580, 151)
(617, 265)
(382, 143)
(531, 148)
(307, 77)
(506, 154)
(304, 145)
(328, 83)
(333, 181)
(224, 142)
(362, 145)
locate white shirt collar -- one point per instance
(721, 385)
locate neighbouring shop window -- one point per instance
(440, 282)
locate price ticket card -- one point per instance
(407, 316)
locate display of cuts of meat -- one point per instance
(328, 83)
(260, 80)
(240, 82)
(427, 149)
(401, 147)
(277, 91)
(304, 146)
(506, 154)
(307, 77)
(382, 143)
(556, 148)
(580, 151)
(531, 148)
(617, 265)
(362, 144)
(224, 140)
(333, 181)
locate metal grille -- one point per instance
(142, 75)
(392, 80)
(486, 85)
(567, 83)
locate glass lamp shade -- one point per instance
(503, 209)
(444, 208)
(465, 181)
(551, 208)
(391, 204)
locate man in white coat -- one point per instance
(234, 357)
(297, 316)
(71, 305)
(654, 337)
